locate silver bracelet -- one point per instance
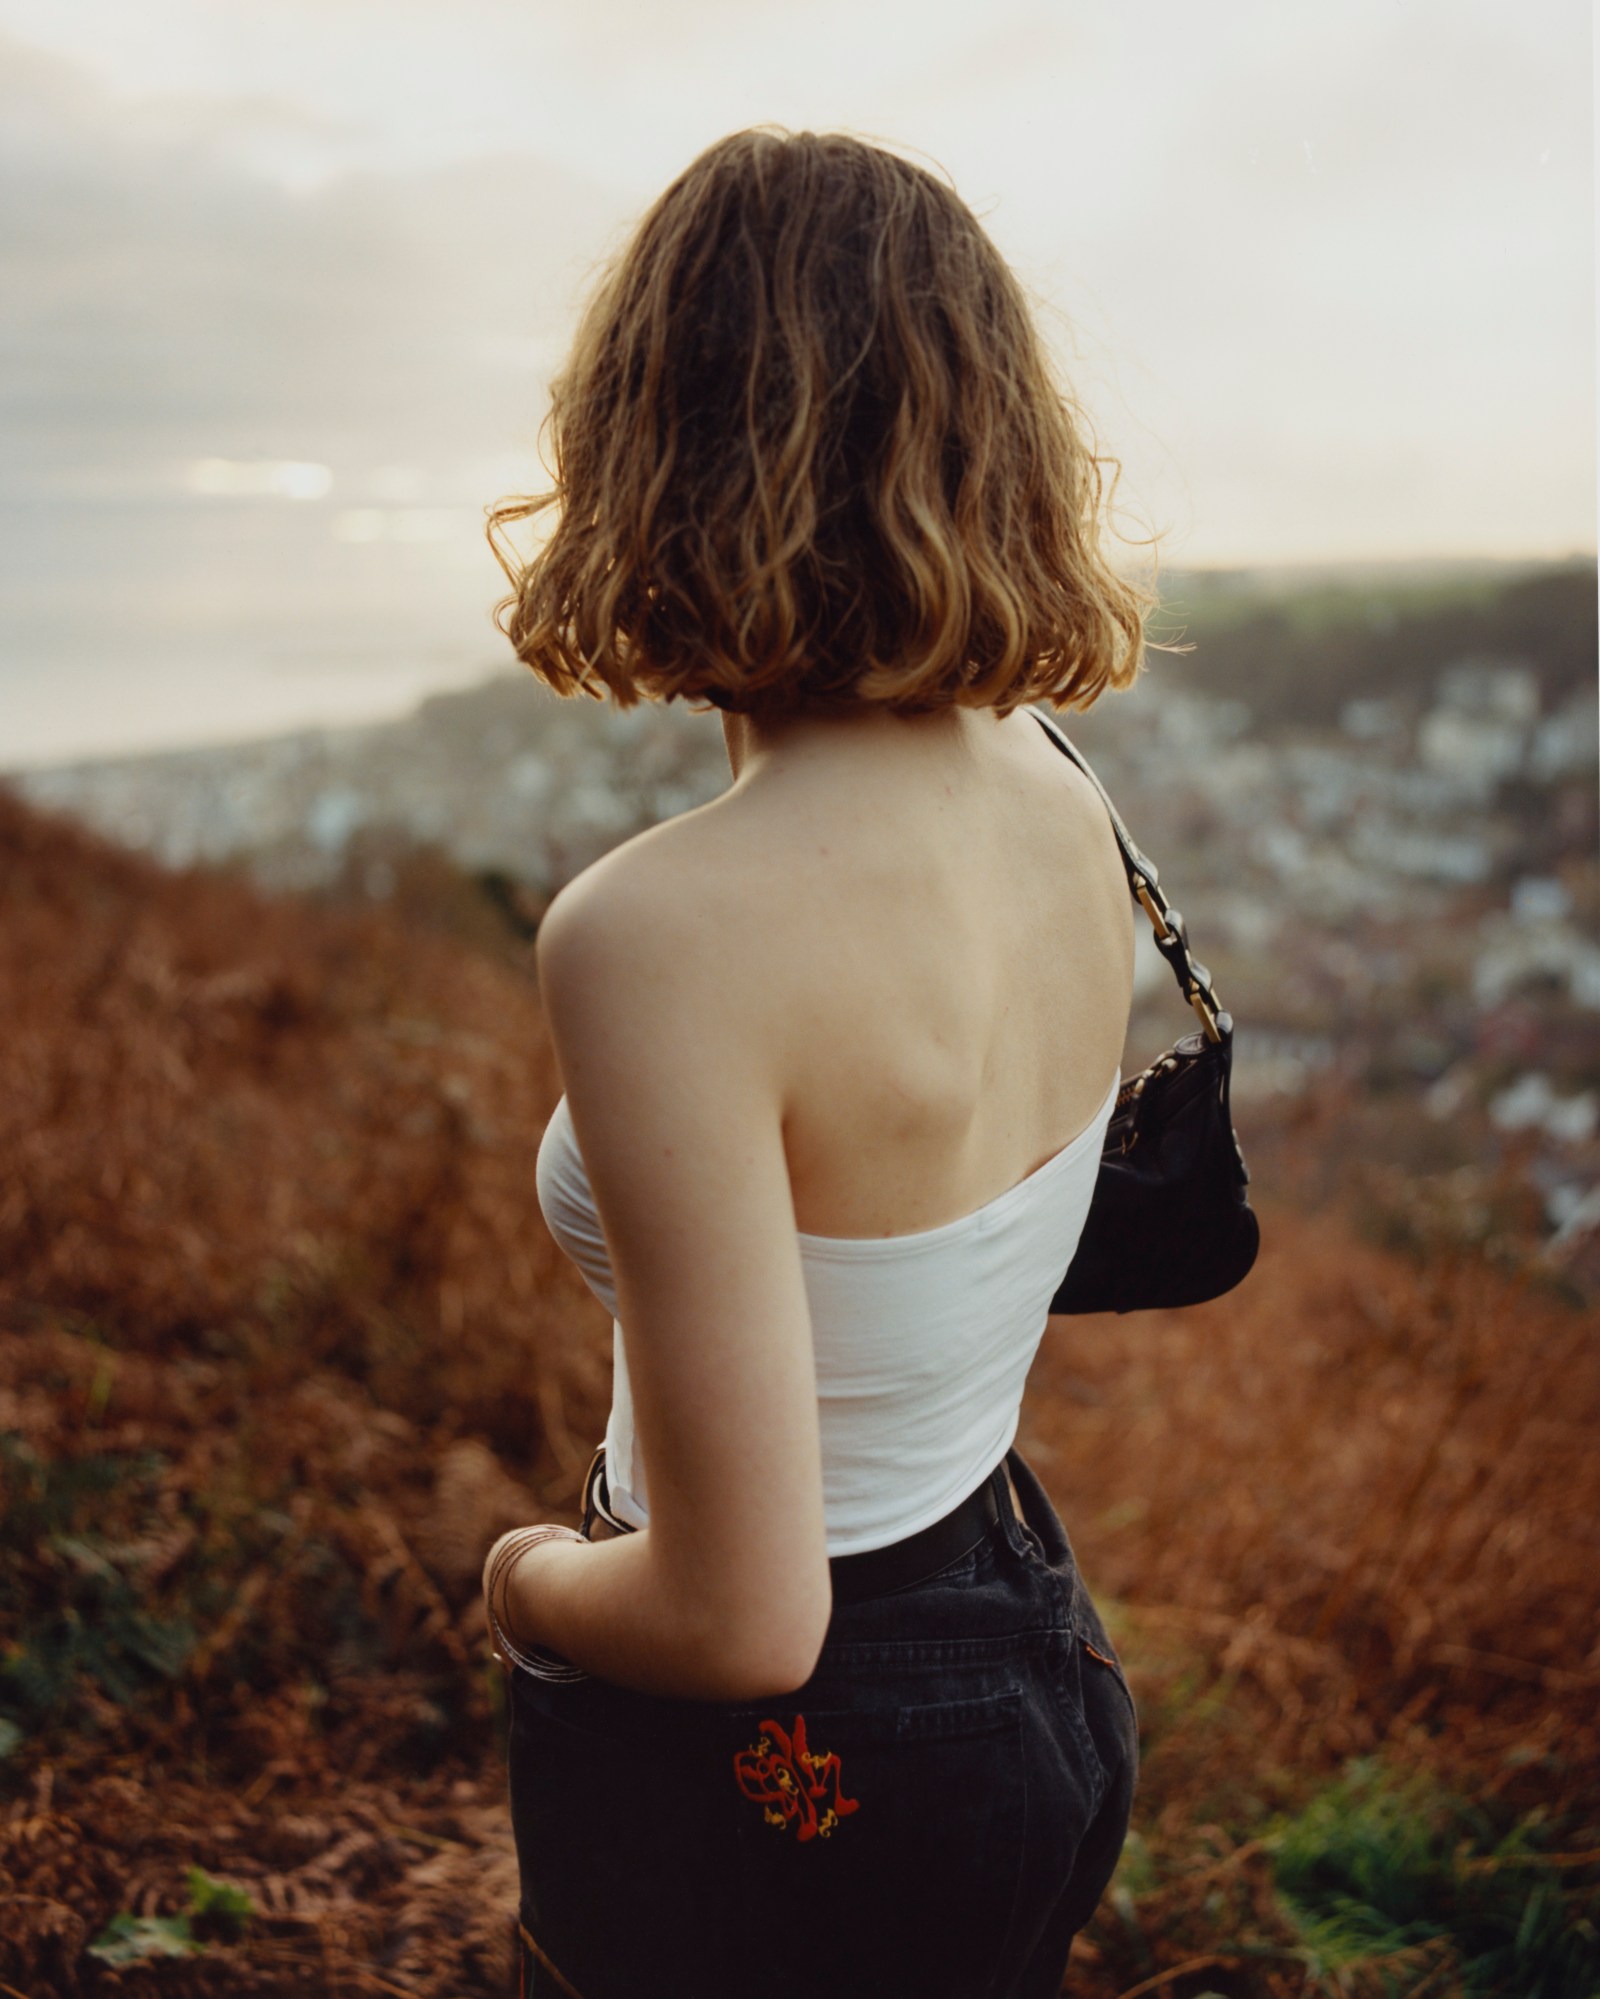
(543, 1665)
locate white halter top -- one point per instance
(922, 1342)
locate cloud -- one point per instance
(163, 300)
(1346, 252)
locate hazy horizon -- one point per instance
(1266, 580)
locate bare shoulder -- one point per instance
(661, 922)
(1035, 745)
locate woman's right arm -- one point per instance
(665, 1028)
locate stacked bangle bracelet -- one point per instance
(543, 1665)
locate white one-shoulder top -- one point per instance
(922, 1342)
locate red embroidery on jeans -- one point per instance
(789, 1782)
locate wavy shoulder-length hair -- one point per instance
(810, 454)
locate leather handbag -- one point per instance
(1170, 1223)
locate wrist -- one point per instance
(510, 1595)
(523, 1590)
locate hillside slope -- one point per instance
(283, 1344)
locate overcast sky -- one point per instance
(281, 283)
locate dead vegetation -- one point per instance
(283, 1345)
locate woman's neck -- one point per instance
(759, 748)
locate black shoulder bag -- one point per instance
(1170, 1223)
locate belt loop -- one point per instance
(1044, 1523)
(597, 1499)
(591, 1480)
(1010, 1518)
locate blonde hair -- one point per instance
(809, 453)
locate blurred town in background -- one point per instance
(1375, 797)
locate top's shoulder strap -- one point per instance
(1171, 933)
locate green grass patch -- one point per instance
(1399, 1887)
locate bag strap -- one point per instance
(1172, 937)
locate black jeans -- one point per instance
(933, 1815)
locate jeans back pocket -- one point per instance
(878, 1849)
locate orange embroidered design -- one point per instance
(789, 1781)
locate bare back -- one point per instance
(940, 925)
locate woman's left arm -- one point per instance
(668, 1029)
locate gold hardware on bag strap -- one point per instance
(1157, 911)
(1208, 1020)
(1194, 981)
(1142, 891)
